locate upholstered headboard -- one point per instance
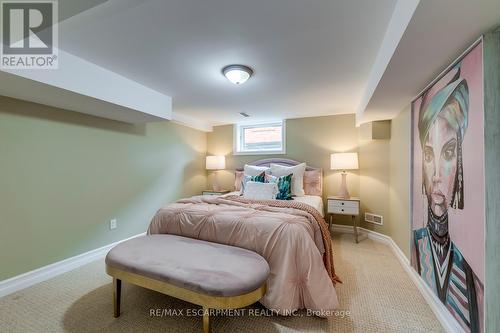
(313, 177)
(281, 161)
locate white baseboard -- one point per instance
(445, 318)
(41, 274)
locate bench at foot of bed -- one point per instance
(211, 275)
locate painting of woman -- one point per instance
(443, 118)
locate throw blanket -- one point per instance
(291, 236)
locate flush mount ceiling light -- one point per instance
(237, 74)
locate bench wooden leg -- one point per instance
(117, 293)
(206, 320)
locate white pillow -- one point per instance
(260, 191)
(252, 170)
(297, 178)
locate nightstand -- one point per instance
(212, 192)
(341, 206)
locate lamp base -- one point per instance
(344, 193)
(215, 185)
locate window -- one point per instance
(265, 138)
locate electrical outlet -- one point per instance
(113, 224)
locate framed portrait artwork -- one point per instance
(448, 189)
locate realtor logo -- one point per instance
(29, 34)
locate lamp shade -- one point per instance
(344, 161)
(215, 162)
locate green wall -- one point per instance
(491, 45)
(374, 182)
(399, 196)
(64, 175)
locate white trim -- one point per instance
(41, 274)
(443, 315)
(258, 152)
(400, 18)
(237, 138)
(97, 91)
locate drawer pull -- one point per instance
(342, 204)
(342, 209)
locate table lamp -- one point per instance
(215, 163)
(344, 161)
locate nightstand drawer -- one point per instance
(343, 203)
(343, 210)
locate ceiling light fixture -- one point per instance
(237, 74)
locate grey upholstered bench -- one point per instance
(212, 275)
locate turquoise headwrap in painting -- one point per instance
(457, 118)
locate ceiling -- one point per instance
(438, 33)
(309, 58)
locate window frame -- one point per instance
(238, 137)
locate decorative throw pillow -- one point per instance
(260, 178)
(260, 191)
(297, 178)
(284, 184)
(313, 182)
(253, 170)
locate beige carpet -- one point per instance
(376, 291)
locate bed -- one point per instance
(290, 234)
